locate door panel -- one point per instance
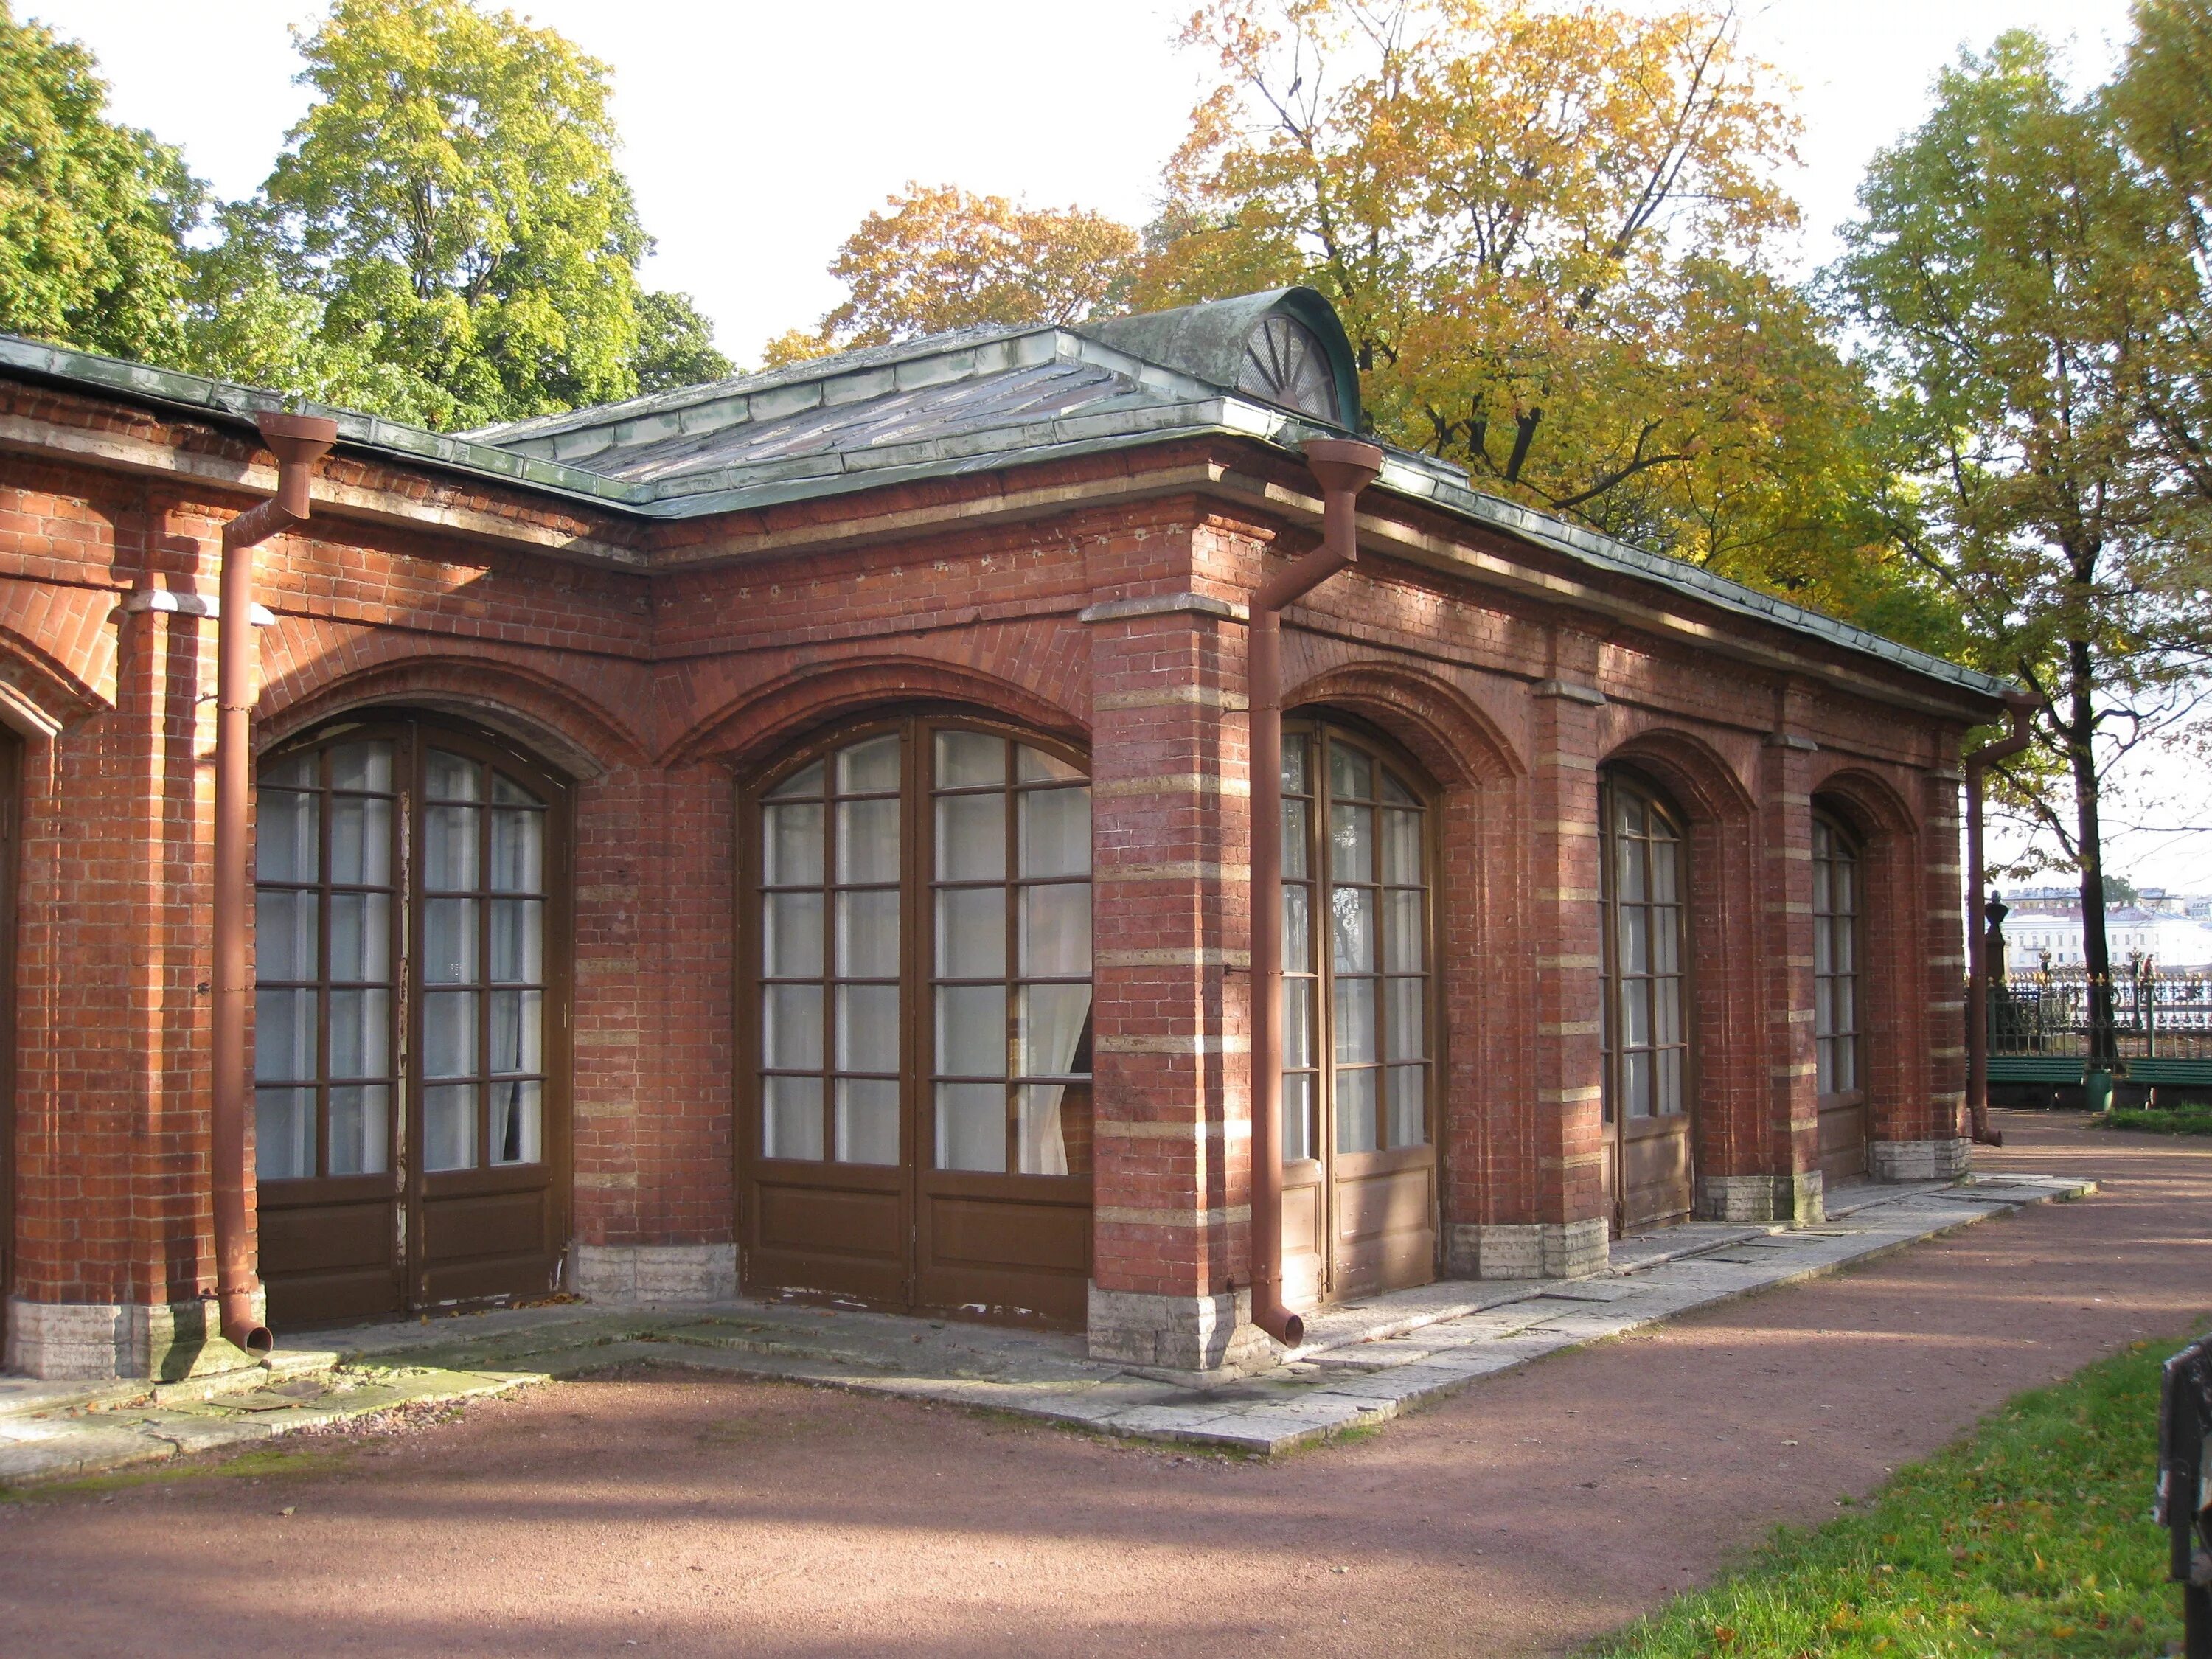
(1844, 1139)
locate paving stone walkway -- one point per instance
(1362, 1363)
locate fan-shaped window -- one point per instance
(1285, 363)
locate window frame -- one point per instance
(1612, 1101)
(1854, 848)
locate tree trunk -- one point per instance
(2081, 757)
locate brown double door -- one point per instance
(1650, 1128)
(412, 1021)
(1359, 1064)
(914, 1103)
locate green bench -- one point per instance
(2065, 1071)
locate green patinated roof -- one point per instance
(978, 399)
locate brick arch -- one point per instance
(1701, 781)
(771, 716)
(1868, 804)
(546, 715)
(1436, 723)
(56, 654)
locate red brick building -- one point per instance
(793, 834)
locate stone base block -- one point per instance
(86, 1341)
(624, 1273)
(1799, 1199)
(1210, 1337)
(1541, 1249)
(1917, 1160)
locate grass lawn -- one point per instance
(2032, 1536)
(2165, 1120)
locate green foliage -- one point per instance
(675, 344)
(2161, 1121)
(2031, 1538)
(93, 216)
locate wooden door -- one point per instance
(410, 1046)
(1650, 1128)
(917, 1021)
(1359, 1166)
(1842, 1101)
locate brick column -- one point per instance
(1570, 1232)
(1170, 856)
(1925, 1139)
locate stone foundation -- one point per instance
(1210, 1337)
(1797, 1200)
(625, 1273)
(1917, 1160)
(1543, 1249)
(86, 1341)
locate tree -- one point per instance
(1548, 230)
(936, 258)
(446, 235)
(93, 216)
(2016, 271)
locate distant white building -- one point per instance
(2038, 931)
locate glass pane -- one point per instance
(293, 772)
(1407, 1033)
(1297, 1117)
(1395, 791)
(1666, 939)
(792, 924)
(517, 941)
(1048, 1036)
(1844, 955)
(1355, 1020)
(1355, 1111)
(518, 1115)
(361, 841)
(1351, 929)
(971, 837)
(1294, 765)
(1666, 872)
(807, 781)
(361, 1129)
(1056, 930)
(1401, 848)
(1825, 1057)
(1351, 843)
(1669, 1082)
(283, 1133)
(361, 1033)
(1298, 929)
(1846, 1013)
(360, 936)
(1051, 1129)
(1844, 1069)
(365, 765)
(286, 846)
(1636, 1082)
(971, 1126)
(449, 1034)
(1034, 766)
(967, 759)
(792, 838)
(518, 852)
(449, 941)
(1351, 773)
(451, 777)
(449, 1126)
(867, 1121)
(971, 932)
(1635, 940)
(868, 934)
(867, 840)
(449, 847)
(1824, 960)
(1667, 1011)
(1407, 1119)
(1056, 832)
(791, 1117)
(867, 1028)
(1823, 902)
(1297, 1022)
(791, 1027)
(1401, 945)
(1298, 831)
(517, 1031)
(505, 792)
(284, 935)
(1636, 1014)
(971, 1030)
(868, 767)
(1628, 872)
(284, 1035)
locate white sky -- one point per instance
(757, 135)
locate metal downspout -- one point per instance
(1343, 467)
(298, 441)
(2019, 705)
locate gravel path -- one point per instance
(652, 1513)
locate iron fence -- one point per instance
(2156, 1013)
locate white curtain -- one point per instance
(1054, 1022)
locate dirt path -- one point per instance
(686, 1516)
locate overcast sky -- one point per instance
(757, 135)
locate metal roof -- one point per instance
(978, 399)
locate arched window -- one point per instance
(922, 1016)
(1285, 364)
(1645, 1023)
(1835, 956)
